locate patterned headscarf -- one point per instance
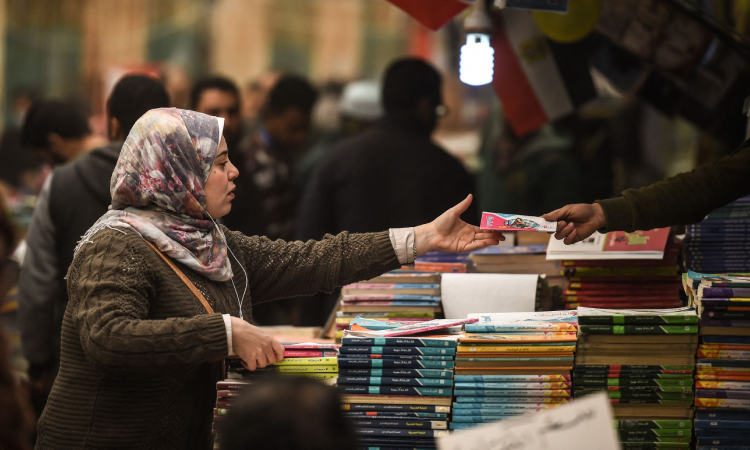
(157, 189)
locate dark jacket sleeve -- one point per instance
(278, 269)
(683, 199)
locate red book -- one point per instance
(308, 353)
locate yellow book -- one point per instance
(514, 349)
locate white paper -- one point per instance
(466, 293)
(584, 424)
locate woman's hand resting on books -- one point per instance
(254, 346)
(577, 222)
(448, 233)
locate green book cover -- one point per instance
(638, 329)
(653, 424)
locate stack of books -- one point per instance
(307, 359)
(398, 387)
(723, 375)
(518, 259)
(621, 271)
(400, 295)
(510, 364)
(443, 262)
(721, 242)
(644, 360)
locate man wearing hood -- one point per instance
(74, 196)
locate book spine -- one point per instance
(515, 400)
(395, 408)
(308, 353)
(394, 390)
(515, 328)
(639, 329)
(397, 341)
(683, 383)
(723, 393)
(511, 378)
(394, 415)
(723, 424)
(395, 432)
(511, 386)
(676, 319)
(513, 392)
(723, 354)
(462, 349)
(652, 424)
(408, 373)
(424, 351)
(328, 361)
(391, 381)
(380, 356)
(724, 292)
(401, 423)
(395, 364)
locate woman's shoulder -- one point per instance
(110, 241)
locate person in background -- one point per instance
(392, 173)
(680, 200)
(57, 132)
(219, 96)
(75, 195)
(20, 168)
(357, 109)
(254, 96)
(279, 413)
(16, 417)
(270, 196)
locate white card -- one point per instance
(584, 424)
(465, 293)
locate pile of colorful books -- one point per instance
(723, 374)
(721, 242)
(401, 295)
(644, 359)
(443, 262)
(620, 270)
(398, 387)
(308, 359)
(517, 259)
(510, 364)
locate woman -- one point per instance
(140, 351)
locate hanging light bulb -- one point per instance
(477, 65)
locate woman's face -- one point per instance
(219, 187)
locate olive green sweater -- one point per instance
(140, 356)
(683, 199)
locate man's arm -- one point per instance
(38, 285)
(680, 200)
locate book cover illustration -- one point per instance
(515, 222)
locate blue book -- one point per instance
(726, 339)
(461, 426)
(391, 381)
(722, 414)
(394, 390)
(392, 350)
(515, 386)
(722, 363)
(409, 373)
(465, 408)
(512, 393)
(512, 399)
(723, 424)
(395, 363)
(395, 432)
(482, 419)
(399, 342)
(395, 408)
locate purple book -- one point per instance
(725, 292)
(724, 323)
(722, 393)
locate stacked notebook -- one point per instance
(721, 242)
(509, 364)
(644, 360)
(309, 359)
(723, 375)
(443, 262)
(397, 389)
(401, 295)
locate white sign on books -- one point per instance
(465, 293)
(584, 424)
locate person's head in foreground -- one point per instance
(287, 412)
(413, 88)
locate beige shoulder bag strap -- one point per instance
(184, 279)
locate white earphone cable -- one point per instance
(239, 300)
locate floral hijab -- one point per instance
(157, 189)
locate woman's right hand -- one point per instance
(254, 346)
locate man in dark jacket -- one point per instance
(75, 195)
(390, 175)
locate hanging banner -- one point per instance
(431, 13)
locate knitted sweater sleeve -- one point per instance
(278, 269)
(111, 291)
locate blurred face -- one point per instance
(289, 129)
(220, 187)
(215, 102)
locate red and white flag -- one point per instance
(533, 86)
